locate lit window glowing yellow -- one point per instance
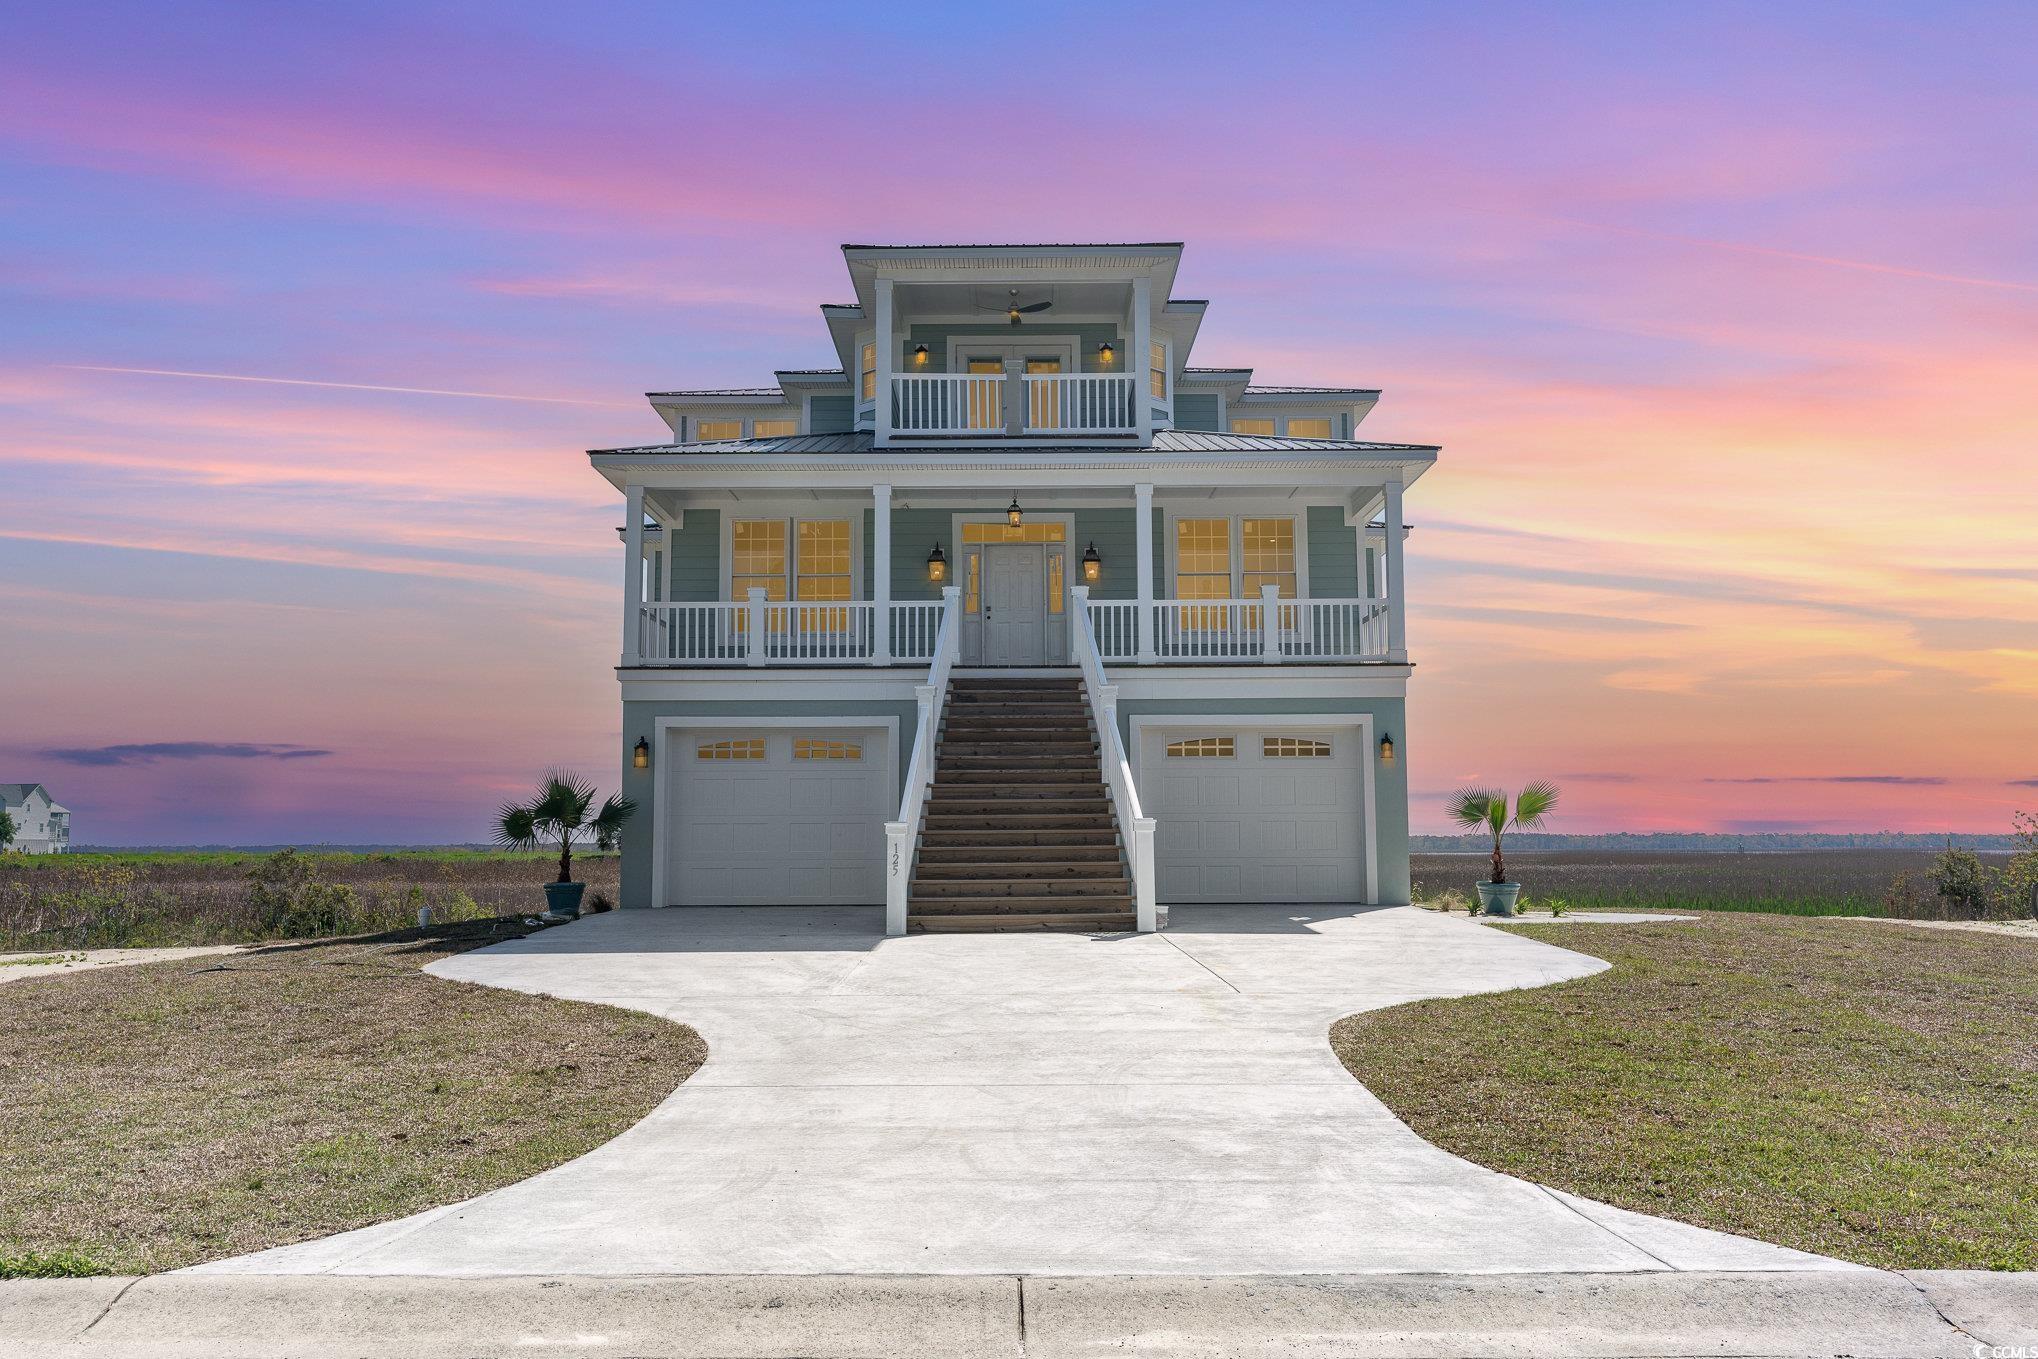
(1309, 429)
(1204, 747)
(752, 749)
(1292, 747)
(1036, 532)
(1243, 425)
(827, 750)
(773, 429)
(718, 429)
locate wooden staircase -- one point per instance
(1019, 832)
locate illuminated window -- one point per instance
(973, 584)
(1157, 370)
(1202, 559)
(986, 367)
(718, 429)
(751, 749)
(1308, 429)
(1036, 532)
(823, 571)
(1241, 425)
(1204, 747)
(757, 557)
(827, 750)
(1293, 747)
(869, 372)
(773, 429)
(1267, 554)
(1057, 581)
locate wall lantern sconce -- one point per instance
(937, 565)
(1106, 352)
(1093, 565)
(1013, 514)
(919, 356)
(640, 758)
(1386, 750)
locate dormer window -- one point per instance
(706, 430)
(778, 429)
(1251, 425)
(1312, 428)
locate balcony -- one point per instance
(1267, 630)
(961, 405)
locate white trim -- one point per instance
(1071, 567)
(661, 814)
(1272, 721)
(1043, 343)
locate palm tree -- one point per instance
(1486, 809)
(557, 815)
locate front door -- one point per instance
(1015, 603)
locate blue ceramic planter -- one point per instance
(1497, 898)
(563, 898)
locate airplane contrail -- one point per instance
(348, 386)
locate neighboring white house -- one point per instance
(1016, 619)
(41, 825)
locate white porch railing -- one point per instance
(1080, 403)
(1049, 404)
(948, 403)
(762, 632)
(902, 837)
(1137, 827)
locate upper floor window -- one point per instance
(1251, 425)
(1311, 428)
(718, 429)
(869, 371)
(779, 429)
(1157, 369)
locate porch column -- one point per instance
(881, 576)
(1397, 597)
(633, 574)
(1142, 537)
(883, 413)
(1142, 340)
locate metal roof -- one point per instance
(1032, 245)
(693, 392)
(1164, 441)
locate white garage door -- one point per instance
(1269, 814)
(777, 816)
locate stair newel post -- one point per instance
(1146, 913)
(753, 644)
(898, 868)
(1079, 616)
(1270, 624)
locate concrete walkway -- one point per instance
(1019, 1104)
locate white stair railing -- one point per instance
(1137, 826)
(902, 837)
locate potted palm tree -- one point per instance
(1487, 809)
(556, 816)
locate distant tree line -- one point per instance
(1626, 842)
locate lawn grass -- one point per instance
(159, 1115)
(1860, 1090)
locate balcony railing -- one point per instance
(957, 404)
(1268, 630)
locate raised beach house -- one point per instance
(1016, 619)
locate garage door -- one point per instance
(777, 816)
(1269, 814)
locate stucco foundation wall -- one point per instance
(1390, 781)
(641, 718)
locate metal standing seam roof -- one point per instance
(1164, 441)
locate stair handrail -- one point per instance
(1117, 769)
(902, 837)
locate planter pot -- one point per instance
(1497, 898)
(563, 899)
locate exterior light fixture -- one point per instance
(640, 758)
(1093, 565)
(1106, 352)
(920, 355)
(937, 565)
(1013, 514)
(1386, 750)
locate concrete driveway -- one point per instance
(1019, 1104)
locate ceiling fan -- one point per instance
(1010, 306)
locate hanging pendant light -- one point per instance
(1013, 514)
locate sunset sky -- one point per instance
(1725, 316)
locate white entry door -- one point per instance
(776, 816)
(1015, 604)
(1273, 814)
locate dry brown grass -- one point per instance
(1857, 1089)
(159, 1115)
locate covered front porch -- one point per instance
(1156, 573)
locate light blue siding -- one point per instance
(694, 558)
(833, 414)
(1196, 410)
(1333, 554)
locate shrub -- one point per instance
(1558, 907)
(1963, 882)
(1907, 899)
(288, 899)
